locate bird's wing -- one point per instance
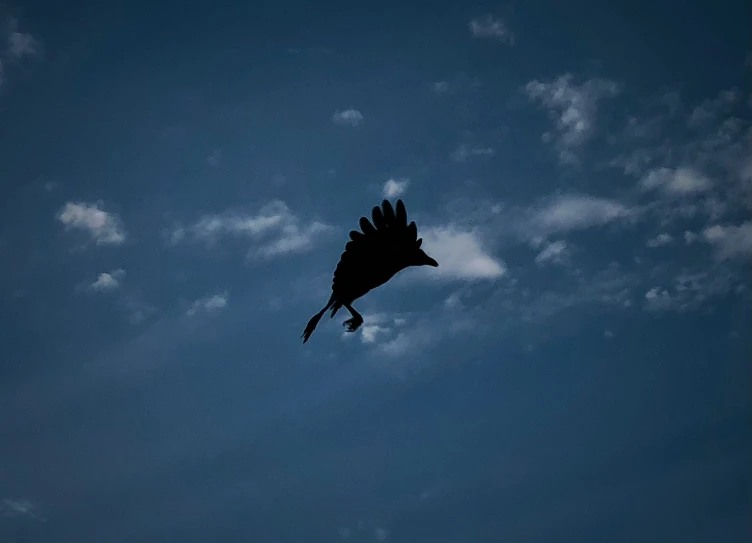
(378, 245)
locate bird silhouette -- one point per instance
(372, 257)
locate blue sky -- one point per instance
(177, 186)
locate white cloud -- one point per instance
(690, 237)
(348, 117)
(440, 87)
(107, 281)
(490, 27)
(660, 240)
(573, 107)
(208, 304)
(104, 227)
(554, 252)
(292, 239)
(730, 241)
(464, 151)
(18, 508)
(657, 299)
(393, 188)
(575, 212)
(460, 254)
(679, 181)
(274, 229)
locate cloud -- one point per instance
(137, 309)
(555, 252)
(364, 531)
(215, 158)
(690, 237)
(710, 109)
(104, 227)
(689, 290)
(657, 299)
(460, 254)
(679, 181)
(730, 241)
(393, 188)
(460, 82)
(491, 28)
(274, 229)
(292, 239)
(440, 87)
(573, 107)
(21, 45)
(464, 151)
(575, 212)
(208, 304)
(18, 508)
(107, 281)
(376, 325)
(660, 240)
(348, 117)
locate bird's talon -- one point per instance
(352, 324)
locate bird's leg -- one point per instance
(354, 323)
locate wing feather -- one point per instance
(388, 212)
(367, 227)
(378, 218)
(401, 218)
(412, 230)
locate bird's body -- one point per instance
(372, 257)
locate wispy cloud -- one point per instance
(19, 44)
(660, 240)
(393, 187)
(292, 238)
(710, 109)
(464, 151)
(573, 107)
(215, 158)
(730, 241)
(574, 212)
(208, 304)
(688, 290)
(555, 252)
(490, 27)
(105, 228)
(440, 87)
(677, 181)
(19, 508)
(348, 117)
(274, 230)
(107, 281)
(458, 83)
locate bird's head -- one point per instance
(420, 258)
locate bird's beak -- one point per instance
(431, 262)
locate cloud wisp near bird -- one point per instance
(371, 258)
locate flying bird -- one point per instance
(372, 257)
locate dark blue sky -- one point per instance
(177, 185)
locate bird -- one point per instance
(372, 256)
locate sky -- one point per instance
(178, 182)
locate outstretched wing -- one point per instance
(377, 251)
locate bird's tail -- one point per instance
(311, 326)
